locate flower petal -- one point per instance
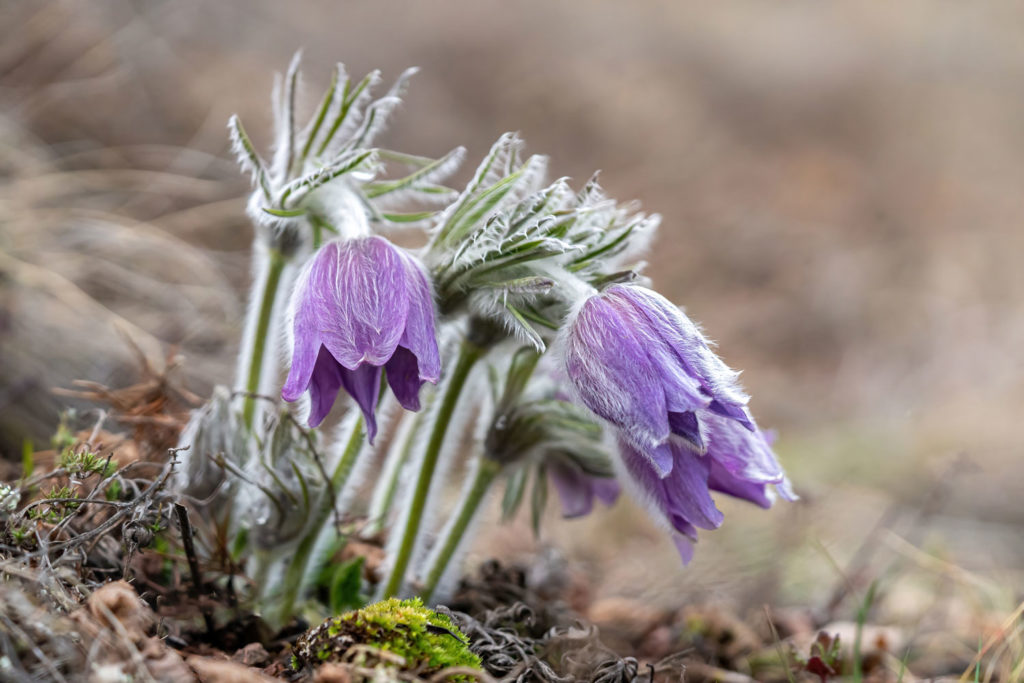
(607, 489)
(325, 382)
(363, 384)
(684, 544)
(306, 344)
(574, 490)
(404, 377)
(687, 427)
(722, 480)
(742, 453)
(680, 335)
(612, 373)
(682, 496)
(420, 335)
(371, 302)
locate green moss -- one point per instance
(426, 640)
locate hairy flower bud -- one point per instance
(361, 307)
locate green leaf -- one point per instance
(514, 490)
(28, 462)
(249, 159)
(523, 325)
(346, 586)
(439, 168)
(538, 498)
(325, 105)
(519, 372)
(407, 217)
(300, 188)
(285, 213)
(347, 100)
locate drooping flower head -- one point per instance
(360, 307)
(681, 418)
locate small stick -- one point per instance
(190, 549)
(181, 512)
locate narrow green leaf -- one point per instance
(514, 490)
(538, 498)
(407, 217)
(526, 328)
(347, 100)
(296, 190)
(247, 156)
(441, 167)
(346, 586)
(325, 105)
(284, 213)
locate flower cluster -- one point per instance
(594, 381)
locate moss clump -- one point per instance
(426, 640)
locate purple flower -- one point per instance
(361, 307)
(577, 489)
(638, 362)
(738, 462)
(682, 422)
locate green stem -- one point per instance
(385, 497)
(486, 472)
(297, 568)
(469, 354)
(259, 341)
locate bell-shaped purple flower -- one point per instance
(638, 362)
(362, 306)
(738, 462)
(577, 489)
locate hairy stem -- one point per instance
(268, 297)
(469, 354)
(398, 454)
(486, 471)
(292, 581)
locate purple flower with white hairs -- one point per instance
(361, 307)
(638, 362)
(738, 462)
(577, 489)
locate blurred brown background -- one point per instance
(841, 186)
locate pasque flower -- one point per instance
(681, 418)
(638, 362)
(360, 307)
(577, 489)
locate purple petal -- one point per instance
(612, 373)
(607, 489)
(367, 301)
(306, 345)
(688, 427)
(742, 453)
(660, 458)
(682, 496)
(574, 490)
(420, 335)
(404, 377)
(720, 479)
(685, 547)
(683, 339)
(363, 384)
(324, 385)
